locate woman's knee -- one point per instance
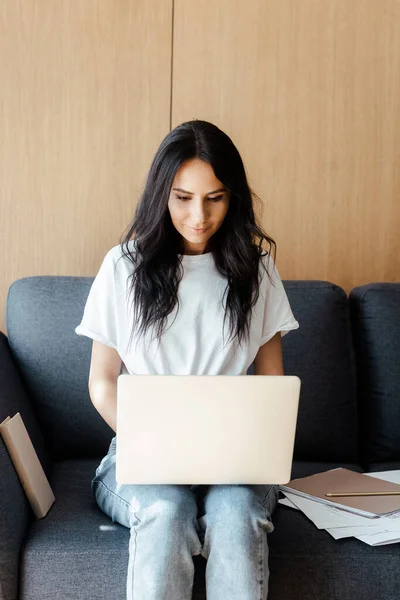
(168, 505)
(223, 498)
(232, 502)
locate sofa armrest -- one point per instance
(15, 518)
(15, 511)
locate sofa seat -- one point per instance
(325, 568)
(77, 540)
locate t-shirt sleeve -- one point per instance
(98, 321)
(278, 315)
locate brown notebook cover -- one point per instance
(344, 480)
(27, 465)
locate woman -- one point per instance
(190, 290)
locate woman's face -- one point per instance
(198, 203)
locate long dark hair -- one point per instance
(237, 246)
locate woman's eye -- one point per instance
(185, 198)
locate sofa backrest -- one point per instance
(42, 313)
(375, 314)
(321, 353)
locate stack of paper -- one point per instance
(375, 529)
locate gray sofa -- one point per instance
(347, 354)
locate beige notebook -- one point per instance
(27, 465)
(316, 487)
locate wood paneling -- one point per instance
(84, 104)
(309, 91)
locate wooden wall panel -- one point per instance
(84, 104)
(310, 93)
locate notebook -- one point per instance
(316, 486)
(192, 429)
(27, 465)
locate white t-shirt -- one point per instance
(192, 343)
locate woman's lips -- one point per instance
(195, 230)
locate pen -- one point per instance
(335, 494)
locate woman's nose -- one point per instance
(199, 214)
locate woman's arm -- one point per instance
(105, 367)
(269, 357)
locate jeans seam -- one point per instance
(268, 493)
(113, 493)
(134, 555)
(264, 502)
(261, 563)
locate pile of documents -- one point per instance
(365, 506)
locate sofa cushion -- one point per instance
(305, 468)
(42, 313)
(81, 553)
(76, 551)
(321, 353)
(385, 466)
(308, 563)
(375, 311)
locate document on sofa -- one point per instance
(341, 523)
(353, 490)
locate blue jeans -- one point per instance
(166, 531)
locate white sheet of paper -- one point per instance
(343, 532)
(380, 539)
(324, 516)
(287, 502)
(392, 476)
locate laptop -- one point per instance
(206, 429)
